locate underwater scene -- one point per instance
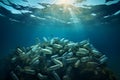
(59, 39)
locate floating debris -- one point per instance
(56, 59)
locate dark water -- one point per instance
(105, 37)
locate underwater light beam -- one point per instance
(74, 17)
(75, 21)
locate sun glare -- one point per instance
(65, 2)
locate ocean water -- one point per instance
(104, 36)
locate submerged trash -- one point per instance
(59, 59)
(14, 76)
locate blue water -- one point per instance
(105, 37)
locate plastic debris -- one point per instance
(46, 51)
(58, 65)
(57, 46)
(82, 52)
(41, 77)
(85, 59)
(51, 57)
(14, 76)
(45, 39)
(29, 71)
(103, 59)
(56, 76)
(77, 63)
